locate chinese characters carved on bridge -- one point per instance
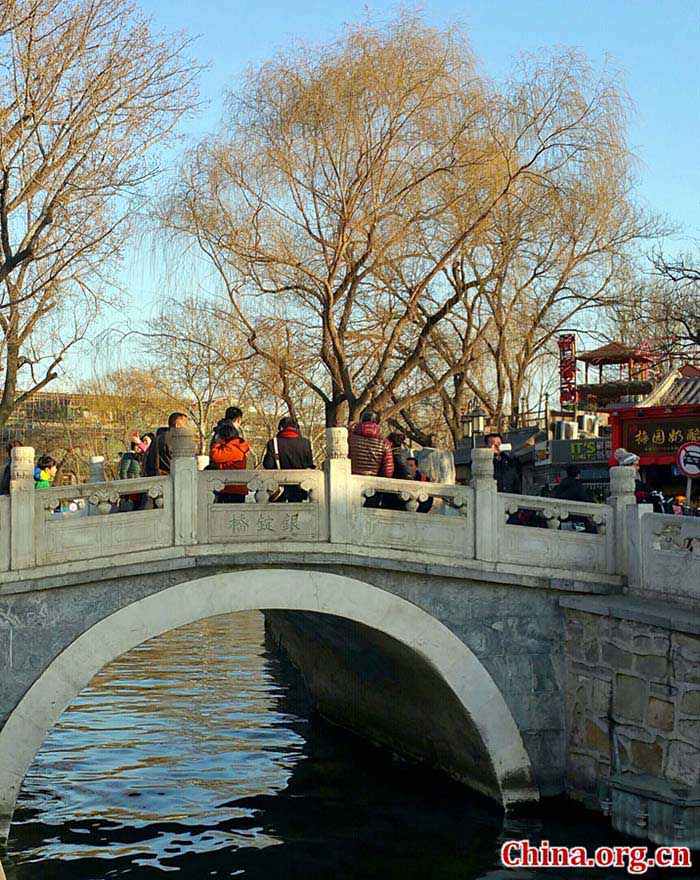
(274, 522)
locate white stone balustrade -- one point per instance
(466, 524)
(664, 556)
(554, 543)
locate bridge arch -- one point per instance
(270, 589)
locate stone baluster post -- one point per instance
(622, 498)
(338, 486)
(635, 544)
(96, 469)
(183, 470)
(485, 506)
(22, 508)
(96, 474)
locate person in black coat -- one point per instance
(506, 470)
(288, 450)
(390, 500)
(6, 475)
(571, 488)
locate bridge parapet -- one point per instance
(182, 510)
(557, 539)
(664, 557)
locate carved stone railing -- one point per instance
(182, 510)
(667, 555)
(446, 529)
(120, 516)
(263, 516)
(557, 534)
(4, 532)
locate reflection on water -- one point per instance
(197, 754)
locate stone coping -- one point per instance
(626, 607)
(211, 555)
(656, 789)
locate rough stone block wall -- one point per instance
(633, 714)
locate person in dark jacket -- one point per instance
(6, 474)
(390, 500)
(159, 455)
(399, 454)
(151, 461)
(506, 470)
(571, 488)
(233, 416)
(415, 474)
(288, 450)
(371, 454)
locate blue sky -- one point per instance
(656, 45)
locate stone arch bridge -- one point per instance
(526, 662)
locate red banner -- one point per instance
(568, 393)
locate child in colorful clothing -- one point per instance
(44, 472)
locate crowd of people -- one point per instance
(371, 454)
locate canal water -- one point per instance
(198, 755)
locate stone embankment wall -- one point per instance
(633, 715)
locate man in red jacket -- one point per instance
(371, 454)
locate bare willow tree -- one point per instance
(374, 186)
(86, 91)
(550, 257)
(670, 312)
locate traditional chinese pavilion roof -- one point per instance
(680, 387)
(614, 353)
(684, 391)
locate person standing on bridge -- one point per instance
(233, 415)
(6, 475)
(371, 454)
(44, 472)
(130, 463)
(229, 452)
(391, 500)
(414, 474)
(506, 470)
(288, 450)
(159, 454)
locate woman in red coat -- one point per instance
(228, 453)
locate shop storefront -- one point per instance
(655, 434)
(590, 455)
